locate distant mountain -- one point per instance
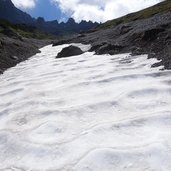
(9, 12)
(63, 28)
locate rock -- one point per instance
(15, 51)
(157, 64)
(70, 51)
(1, 72)
(125, 29)
(109, 49)
(96, 46)
(0, 44)
(151, 35)
(136, 51)
(15, 58)
(61, 42)
(151, 55)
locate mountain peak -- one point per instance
(40, 20)
(71, 21)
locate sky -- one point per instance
(94, 10)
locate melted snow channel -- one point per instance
(85, 113)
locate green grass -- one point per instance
(162, 7)
(24, 30)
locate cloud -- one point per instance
(24, 3)
(101, 10)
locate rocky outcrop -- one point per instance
(107, 48)
(70, 51)
(14, 50)
(152, 34)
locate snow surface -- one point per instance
(85, 113)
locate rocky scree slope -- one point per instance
(144, 32)
(18, 43)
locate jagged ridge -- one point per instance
(9, 12)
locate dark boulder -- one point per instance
(96, 46)
(1, 71)
(151, 35)
(157, 64)
(70, 51)
(109, 49)
(0, 44)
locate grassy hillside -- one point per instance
(21, 30)
(162, 7)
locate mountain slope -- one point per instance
(162, 7)
(21, 35)
(18, 43)
(9, 12)
(145, 32)
(19, 31)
